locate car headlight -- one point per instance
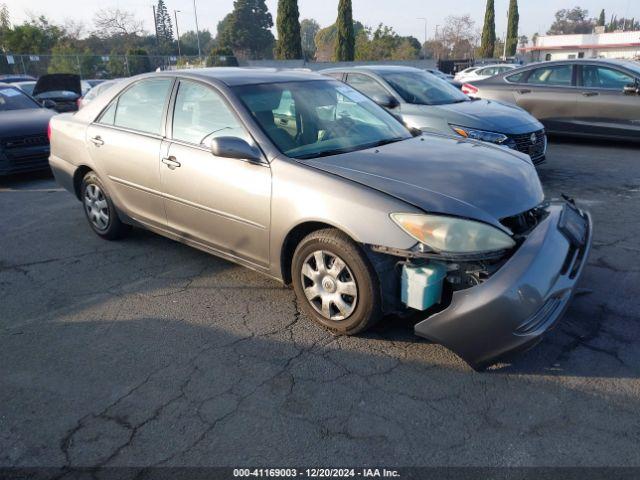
(483, 135)
(453, 235)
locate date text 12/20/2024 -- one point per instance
(315, 473)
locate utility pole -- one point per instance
(437, 44)
(424, 46)
(175, 16)
(195, 13)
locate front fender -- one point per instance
(301, 194)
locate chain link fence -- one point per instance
(99, 66)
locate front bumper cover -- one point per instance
(520, 302)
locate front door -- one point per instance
(125, 144)
(221, 203)
(603, 107)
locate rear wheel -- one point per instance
(335, 283)
(99, 209)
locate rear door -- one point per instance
(125, 143)
(549, 94)
(222, 203)
(603, 108)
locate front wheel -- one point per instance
(335, 283)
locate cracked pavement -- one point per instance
(146, 352)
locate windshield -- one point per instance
(319, 118)
(14, 99)
(423, 89)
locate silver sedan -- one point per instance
(306, 180)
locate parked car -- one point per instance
(597, 98)
(360, 214)
(95, 91)
(62, 90)
(24, 145)
(483, 72)
(26, 86)
(94, 82)
(464, 72)
(439, 74)
(432, 105)
(11, 78)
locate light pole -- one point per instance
(437, 45)
(175, 15)
(195, 13)
(424, 47)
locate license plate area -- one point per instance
(573, 225)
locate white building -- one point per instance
(592, 45)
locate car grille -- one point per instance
(535, 149)
(524, 222)
(26, 141)
(540, 318)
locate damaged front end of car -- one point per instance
(486, 292)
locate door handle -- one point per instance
(97, 141)
(589, 94)
(171, 162)
(523, 91)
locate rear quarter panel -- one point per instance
(68, 148)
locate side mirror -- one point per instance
(234, 147)
(386, 101)
(632, 88)
(48, 103)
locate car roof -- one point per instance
(604, 61)
(237, 76)
(373, 68)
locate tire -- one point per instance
(99, 210)
(350, 294)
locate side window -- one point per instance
(602, 77)
(366, 85)
(109, 115)
(201, 114)
(516, 77)
(552, 75)
(141, 106)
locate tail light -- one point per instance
(79, 103)
(469, 89)
(49, 131)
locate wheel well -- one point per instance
(77, 178)
(291, 242)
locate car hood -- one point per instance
(32, 121)
(441, 174)
(487, 115)
(57, 82)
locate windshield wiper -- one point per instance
(338, 151)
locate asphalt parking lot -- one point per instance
(147, 352)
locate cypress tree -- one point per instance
(488, 42)
(289, 44)
(512, 28)
(163, 23)
(602, 20)
(346, 41)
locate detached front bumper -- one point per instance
(520, 302)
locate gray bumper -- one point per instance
(63, 172)
(520, 302)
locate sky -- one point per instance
(402, 15)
